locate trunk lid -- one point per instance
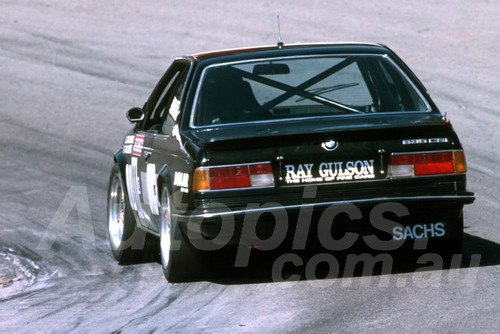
(334, 150)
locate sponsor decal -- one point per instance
(129, 140)
(424, 141)
(329, 171)
(181, 180)
(138, 144)
(127, 149)
(418, 231)
(127, 144)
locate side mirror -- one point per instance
(135, 115)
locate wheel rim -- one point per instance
(165, 229)
(116, 212)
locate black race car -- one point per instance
(338, 144)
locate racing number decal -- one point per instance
(133, 186)
(146, 183)
(150, 194)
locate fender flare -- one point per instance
(164, 178)
(119, 158)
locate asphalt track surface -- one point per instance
(70, 70)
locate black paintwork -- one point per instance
(181, 148)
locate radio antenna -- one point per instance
(280, 41)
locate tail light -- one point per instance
(427, 163)
(233, 177)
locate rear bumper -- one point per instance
(253, 208)
(260, 222)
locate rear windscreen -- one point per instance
(303, 87)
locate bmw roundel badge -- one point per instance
(330, 145)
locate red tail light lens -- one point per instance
(229, 177)
(233, 177)
(429, 163)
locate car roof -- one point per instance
(293, 49)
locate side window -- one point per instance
(173, 108)
(166, 97)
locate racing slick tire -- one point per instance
(447, 247)
(126, 240)
(178, 257)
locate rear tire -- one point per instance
(453, 245)
(178, 257)
(126, 240)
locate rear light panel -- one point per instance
(426, 163)
(254, 175)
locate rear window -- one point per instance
(303, 87)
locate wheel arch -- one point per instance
(178, 199)
(164, 179)
(119, 158)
